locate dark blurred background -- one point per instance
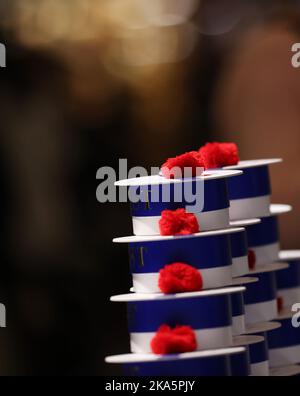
(88, 82)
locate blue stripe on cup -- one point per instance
(289, 277)
(254, 182)
(259, 352)
(262, 291)
(285, 336)
(264, 233)
(239, 244)
(200, 252)
(237, 304)
(208, 366)
(240, 364)
(199, 313)
(215, 197)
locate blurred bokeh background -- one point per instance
(88, 82)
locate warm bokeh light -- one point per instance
(134, 32)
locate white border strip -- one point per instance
(206, 339)
(240, 266)
(238, 325)
(290, 296)
(254, 163)
(213, 220)
(212, 278)
(248, 208)
(266, 254)
(260, 312)
(261, 369)
(212, 174)
(144, 358)
(284, 356)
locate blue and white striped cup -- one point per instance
(264, 238)
(261, 297)
(250, 192)
(208, 313)
(240, 248)
(258, 354)
(284, 342)
(239, 326)
(211, 195)
(288, 280)
(208, 252)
